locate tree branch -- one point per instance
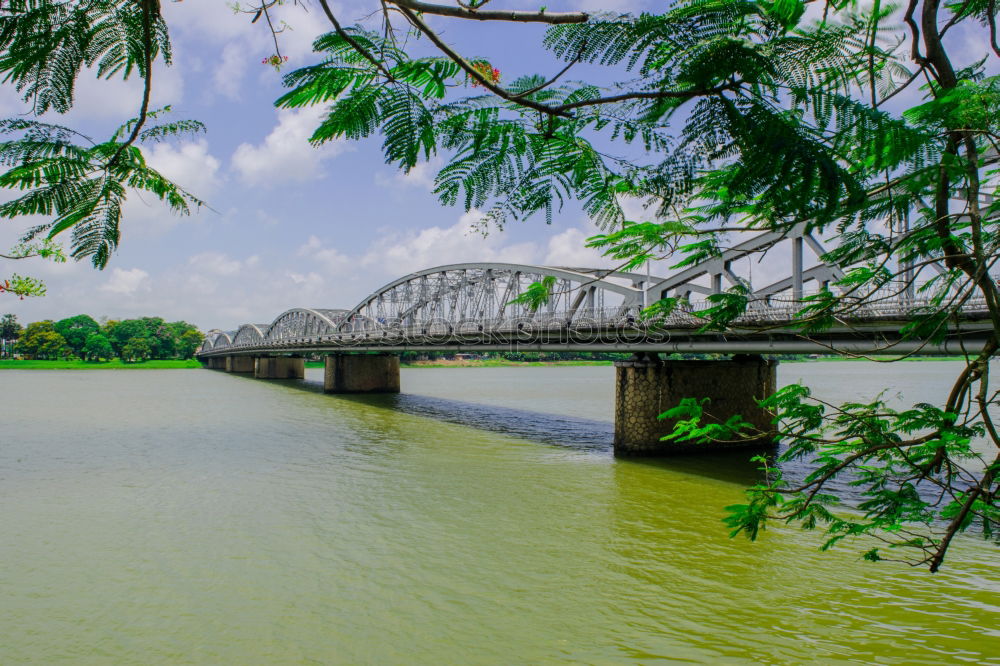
(915, 42)
(956, 523)
(555, 78)
(467, 67)
(991, 15)
(465, 12)
(353, 42)
(941, 65)
(147, 84)
(274, 34)
(903, 86)
(660, 94)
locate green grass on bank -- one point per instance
(16, 364)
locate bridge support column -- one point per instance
(215, 363)
(646, 387)
(279, 367)
(239, 364)
(361, 373)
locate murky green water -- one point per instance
(197, 517)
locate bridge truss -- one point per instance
(475, 307)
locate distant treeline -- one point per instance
(131, 340)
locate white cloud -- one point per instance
(228, 78)
(231, 291)
(421, 176)
(215, 21)
(569, 249)
(126, 282)
(119, 99)
(396, 253)
(409, 251)
(192, 167)
(332, 261)
(189, 164)
(616, 6)
(285, 154)
(636, 210)
(310, 246)
(216, 263)
(11, 102)
(207, 20)
(311, 279)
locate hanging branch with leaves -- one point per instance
(78, 183)
(730, 117)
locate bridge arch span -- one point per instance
(298, 324)
(458, 293)
(216, 340)
(250, 335)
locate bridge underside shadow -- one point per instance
(550, 429)
(571, 433)
(645, 387)
(731, 466)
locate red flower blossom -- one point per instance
(488, 72)
(275, 61)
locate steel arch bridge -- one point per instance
(473, 307)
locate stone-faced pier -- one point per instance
(361, 373)
(647, 386)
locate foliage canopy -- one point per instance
(81, 336)
(76, 183)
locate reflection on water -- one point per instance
(478, 518)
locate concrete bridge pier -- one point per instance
(361, 373)
(215, 363)
(647, 386)
(279, 367)
(239, 364)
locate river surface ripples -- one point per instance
(161, 517)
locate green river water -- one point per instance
(194, 517)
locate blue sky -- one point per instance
(291, 225)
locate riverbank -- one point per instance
(170, 364)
